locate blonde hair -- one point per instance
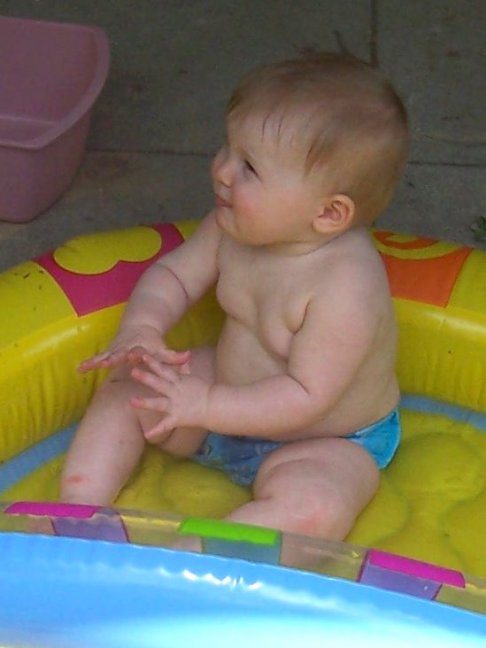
(351, 123)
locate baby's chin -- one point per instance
(224, 220)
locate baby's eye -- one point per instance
(249, 167)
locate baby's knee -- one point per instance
(114, 395)
(314, 507)
(75, 488)
(323, 514)
(117, 386)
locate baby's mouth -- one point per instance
(220, 202)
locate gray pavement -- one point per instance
(174, 62)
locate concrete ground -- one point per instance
(174, 62)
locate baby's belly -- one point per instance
(241, 359)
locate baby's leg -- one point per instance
(110, 439)
(108, 444)
(315, 487)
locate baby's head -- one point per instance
(340, 115)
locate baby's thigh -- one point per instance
(324, 483)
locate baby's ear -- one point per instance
(336, 215)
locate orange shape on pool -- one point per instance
(421, 269)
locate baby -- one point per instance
(299, 397)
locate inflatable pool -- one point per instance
(103, 580)
(64, 306)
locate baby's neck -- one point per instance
(301, 248)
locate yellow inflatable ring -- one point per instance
(65, 306)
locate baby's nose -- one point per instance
(222, 168)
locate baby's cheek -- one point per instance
(246, 207)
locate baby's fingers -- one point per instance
(160, 369)
(157, 404)
(167, 424)
(166, 356)
(160, 432)
(172, 357)
(136, 353)
(160, 382)
(95, 362)
(105, 360)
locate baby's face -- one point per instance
(263, 195)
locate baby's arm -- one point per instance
(326, 353)
(163, 294)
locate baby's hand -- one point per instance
(130, 345)
(182, 398)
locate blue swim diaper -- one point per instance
(380, 439)
(240, 457)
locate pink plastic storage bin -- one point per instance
(50, 76)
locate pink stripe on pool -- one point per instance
(416, 568)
